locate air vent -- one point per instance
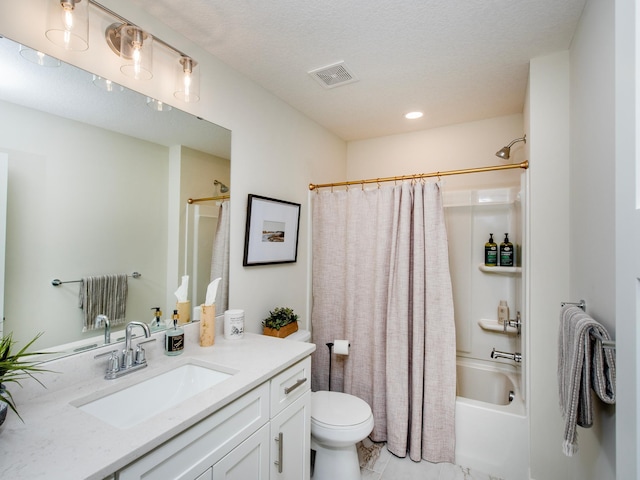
(333, 75)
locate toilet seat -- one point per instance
(338, 410)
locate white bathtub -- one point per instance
(491, 431)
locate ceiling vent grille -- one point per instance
(334, 75)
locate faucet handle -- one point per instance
(140, 353)
(113, 364)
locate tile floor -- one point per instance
(385, 466)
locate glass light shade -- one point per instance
(68, 24)
(187, 86)
(157, 105)
(39, 58)
(136, 53)
(106, 84)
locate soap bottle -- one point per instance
(491, 252)
(174, 338)
(156, 323)
(506, 252)
(503, 312)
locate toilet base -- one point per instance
(333, 463)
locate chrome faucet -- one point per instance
(517, 324)
(516, 357)
(100, 319)
(118, 366)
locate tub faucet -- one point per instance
(516, 357)
(100, 319)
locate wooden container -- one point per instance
(283, 332)
(207, 325)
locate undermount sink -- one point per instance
(141, 401)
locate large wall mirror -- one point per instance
(96, 179)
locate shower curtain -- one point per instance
(381, 280)
(220, 258)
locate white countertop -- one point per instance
(59, 441)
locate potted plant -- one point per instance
(13, 368)
(281, 322)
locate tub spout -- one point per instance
(516, 357)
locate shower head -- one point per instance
(505, 152)
(223, 187)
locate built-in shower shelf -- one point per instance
(500, 270)
(495, 326)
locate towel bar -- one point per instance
(611, 344)
(581, 304)
(57, 282)
(605, 343)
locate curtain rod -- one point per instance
(196, 200)
(523, 165)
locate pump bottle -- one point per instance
(506, 252)
(491, 252)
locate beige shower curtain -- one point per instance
(220, 258)
(381, 280)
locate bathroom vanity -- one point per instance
(255, 423)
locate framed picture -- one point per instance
(272, 229)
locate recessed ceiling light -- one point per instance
(413, 115)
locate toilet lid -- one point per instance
(339, 409)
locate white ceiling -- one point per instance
(458, 61)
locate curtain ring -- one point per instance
(362, 186)
(378, 182)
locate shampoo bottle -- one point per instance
(491, 252)
(503, 312)
(506, 252)
(174, 338)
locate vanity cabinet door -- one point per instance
(248, 461)
(192, 452)
(208, 475)
(291, 441)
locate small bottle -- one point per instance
(156, 323)
(506, 252)
(174, 338)
(491, 252)
(503, 312)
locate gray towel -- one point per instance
(103, 295)
(583, 364)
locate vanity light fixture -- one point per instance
(135, 48)
(68, 24)
(413, 115)
(37, 57)
(187, 80)
(505, 152)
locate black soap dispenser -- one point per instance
(506, 252)
(490, 252)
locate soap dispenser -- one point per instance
(491, 252)
(156, 322)
(174, 338)
(506, 252)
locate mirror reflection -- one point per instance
(98, 185)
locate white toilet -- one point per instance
(338, 422)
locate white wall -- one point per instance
(276, 151)
(627, 234)
(465, 145)
(592, 219)
(547, 255)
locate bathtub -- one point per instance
(491, 423)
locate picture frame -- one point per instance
(271, 234)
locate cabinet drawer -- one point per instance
(193, 451)
(289, 385)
